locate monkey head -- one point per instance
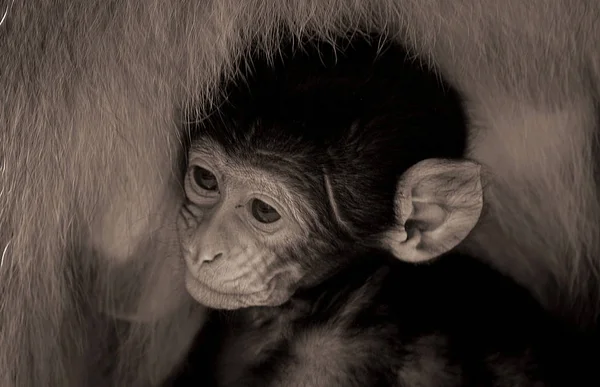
(302, 167)
(235, 227)
(252, 232)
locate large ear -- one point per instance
(438, 203)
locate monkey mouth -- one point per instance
(230, 300)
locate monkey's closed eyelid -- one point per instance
(200, 162)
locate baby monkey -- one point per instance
(312, 202)
(316, 154)
(256, 229)
(316, 300)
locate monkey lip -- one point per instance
(216, 299)
(190, 280)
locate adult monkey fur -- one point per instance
(291, 179)
(89, 140)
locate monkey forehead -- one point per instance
(241, 172)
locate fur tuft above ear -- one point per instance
(438, 203)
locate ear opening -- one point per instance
(438, 202)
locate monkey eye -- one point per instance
(204, 179)
(263, 212)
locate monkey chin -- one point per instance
(215, 299)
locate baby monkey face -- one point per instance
(248, 238)
(235, 227)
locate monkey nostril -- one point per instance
(208, 258)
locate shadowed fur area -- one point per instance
(90, 146)
(379, 322)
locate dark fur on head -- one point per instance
(348, 117)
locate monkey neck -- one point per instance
(325, 292)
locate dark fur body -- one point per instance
(381, 322)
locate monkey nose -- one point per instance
(209, 257)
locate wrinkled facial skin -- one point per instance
(233, 234)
